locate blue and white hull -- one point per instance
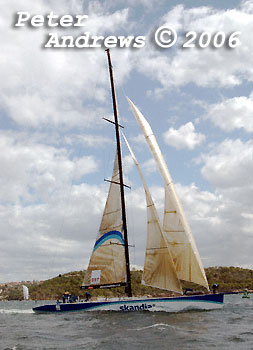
(169, 304)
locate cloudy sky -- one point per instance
(56, 150)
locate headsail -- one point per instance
(159, 270)
(107, 265)
(176, 229)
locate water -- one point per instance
(228, 328)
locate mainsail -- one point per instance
(176, 229)
(107, 266)
(159, 270)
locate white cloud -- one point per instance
(89, 140)
(184, 137)
(231, 114)
(218, 224)
(140, 139)
(100, 21)
(59, 233)
(149, 166)
(55, 87)
(229, 164)
(31, 172)
(205, 67)
(128, 164)
(132, 4)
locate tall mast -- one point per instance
(123, 206)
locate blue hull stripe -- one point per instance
(209, 298)
(107, 236)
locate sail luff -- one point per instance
(174, 209)
(159, 270)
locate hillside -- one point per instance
(229, 279)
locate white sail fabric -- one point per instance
(176, 229)
(107, 263)
(159, 270)
(25, 292)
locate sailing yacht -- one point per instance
(171, 253)
(25, 292)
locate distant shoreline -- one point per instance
(231, 280)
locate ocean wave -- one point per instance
(16, 311)
(156, 325)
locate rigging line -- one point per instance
(130, 211)
(123, 91)
(131, 222)
(119, 89)
(128, 197)
(104, 151)
(107, 155)
(108, 151)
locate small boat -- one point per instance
(171, 253)
(246, 294)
